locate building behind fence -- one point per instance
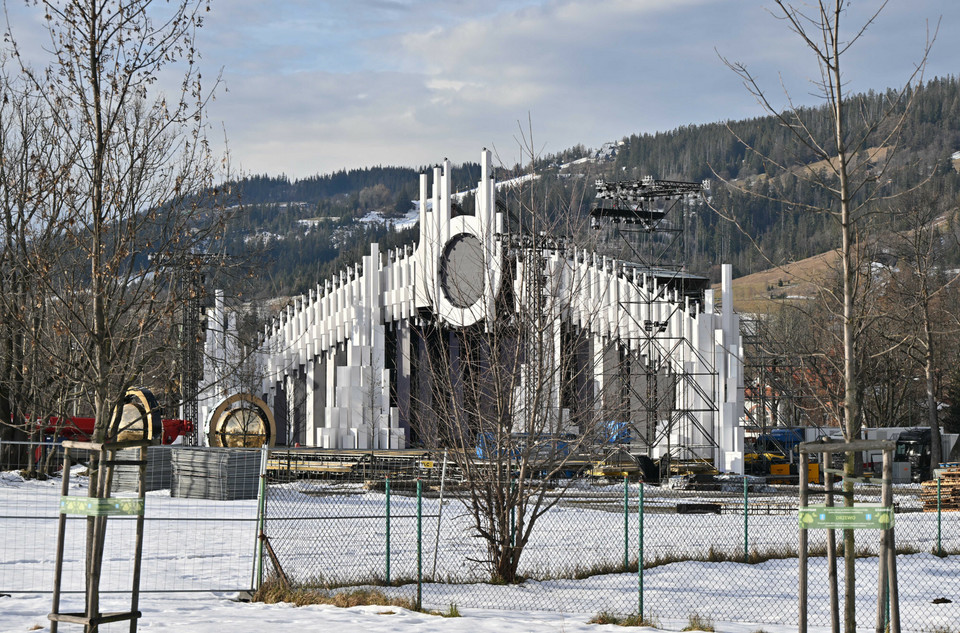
(341, 519)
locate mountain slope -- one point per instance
(302, 231)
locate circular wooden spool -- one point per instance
(242, 420)
(139, 418)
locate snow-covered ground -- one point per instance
(216, 551)
(701, 586)
(210, 613)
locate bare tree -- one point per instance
(133, 207)
(848, 171)
(31, 161)
(799, 361)
(511, 395)
(921, 293)
(134, 191)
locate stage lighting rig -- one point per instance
(645, 202)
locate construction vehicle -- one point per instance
(772, 452)
(775, 455)
(912, 455)
(79, 428)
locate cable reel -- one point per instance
(138, 418)
(242, 420)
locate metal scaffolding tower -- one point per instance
(665, 401)
(191, 345)
(192, 295)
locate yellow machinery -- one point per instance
(790, 474)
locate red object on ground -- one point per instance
(82, 428)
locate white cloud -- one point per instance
(312, 86)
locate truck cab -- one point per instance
(913, 447)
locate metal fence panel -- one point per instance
(331, 522)
(189, 544)
(700, 548)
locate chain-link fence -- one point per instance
(348, 519)
(358, 508)
(203, 539)
(333, 530)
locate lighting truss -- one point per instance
(631, 201)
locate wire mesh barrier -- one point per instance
(190, 543)
(343, 506)
(728, 553)
(402, 522)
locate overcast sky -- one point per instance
(311, 86)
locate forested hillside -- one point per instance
(301, 231)
(732, 152)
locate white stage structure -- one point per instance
(343, 367)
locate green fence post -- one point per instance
(746, 523)
(261, 515)
(939, 542)
(419, 545)
(626, 523)
(640, 553)
(513, 521)
(513, 515)
(387, 488)
(886, 607)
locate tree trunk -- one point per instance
(928, 369)
(851, 401)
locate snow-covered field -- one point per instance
(210, 545)
(215, 613)
(702, 588)
(188, 544)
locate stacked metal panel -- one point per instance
(215, 474)
(159, 471)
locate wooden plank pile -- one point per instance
(949, 490)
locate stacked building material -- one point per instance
(215, 473)
(159, 471)
(949, 478)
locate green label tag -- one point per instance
(875, 517)
(93, 507)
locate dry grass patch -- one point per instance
(451, 612)
(605, 617)
(764, 291)
(697, 622)
(272, 592)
